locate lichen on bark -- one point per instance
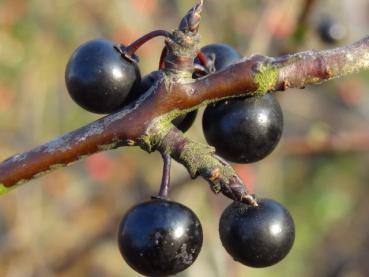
(266, 78)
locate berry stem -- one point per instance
(205, 61)
(129, 50)
(164, 52)
(165, 181)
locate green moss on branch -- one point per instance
(199, 159)
(266, 78)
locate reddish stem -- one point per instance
(164, 52)
(204, 60)
(132, 48)
(165, 181)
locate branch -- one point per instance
(146, 122)
(201, 160)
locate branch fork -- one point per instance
(199, 160)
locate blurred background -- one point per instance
(65, 223)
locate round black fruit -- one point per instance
(223, 55)
(98, 78)
(331, 31)
(160, 237)
(257, 236)
(244, 130)
(182, 122)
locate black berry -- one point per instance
(98, 78)
(257, 236)
(331, 31)
(244, 130)
(160, 237)
(184, 122)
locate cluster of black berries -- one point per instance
(160, 237)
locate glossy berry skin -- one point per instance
(160, 237)
(224, 54)
(244, 130)
(183, 122)
(98, 78)
(257, 236)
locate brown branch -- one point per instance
(314, 67)
(201, 160)
(145, 122)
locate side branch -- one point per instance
(200, 159)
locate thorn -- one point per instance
(191, 22)
(199, 6)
